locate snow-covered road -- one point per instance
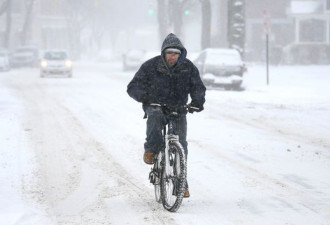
(71, 151)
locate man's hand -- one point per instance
(194, 107)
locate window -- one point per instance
(313, 30)
(327, 5)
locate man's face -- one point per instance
(171, 58)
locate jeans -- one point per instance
(155, 124)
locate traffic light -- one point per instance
(150, 11)
(187, 12)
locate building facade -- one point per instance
(46, 24)
(299, 30)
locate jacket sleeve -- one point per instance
(137, 88)
(197, 88)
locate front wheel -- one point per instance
(157, 169)
(173, 183)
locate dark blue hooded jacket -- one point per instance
(154, 82)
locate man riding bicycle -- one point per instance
(167, 79)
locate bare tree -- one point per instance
(6, 8)
(206, 24)
(170, 17)
(77, 17)
(27, 21)
(162, 19)
(175, 12)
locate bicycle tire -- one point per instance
(172, 187)
(158, 170)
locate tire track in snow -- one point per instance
(277, 187)
(64, 147)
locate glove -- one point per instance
(194, 107)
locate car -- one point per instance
(4, 61)
(25, 56)
(55, 62)
(133, 59)
(221, 67)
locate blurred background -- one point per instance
(298, 31)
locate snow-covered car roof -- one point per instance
(222, 56)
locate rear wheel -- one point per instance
(172, 185)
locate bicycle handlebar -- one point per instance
(186, 107)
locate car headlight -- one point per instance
(43, 63)
(68, 63)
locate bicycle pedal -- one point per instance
(152, 177)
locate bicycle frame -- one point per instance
(170, 170)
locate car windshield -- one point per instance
(215, 58)
(56, 55)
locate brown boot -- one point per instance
(186, 193)
(148, 158)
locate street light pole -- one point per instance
(267, 57)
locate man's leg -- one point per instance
(180, 128)
(155, 123)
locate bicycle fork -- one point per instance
(169, 138)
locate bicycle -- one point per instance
(169, 172)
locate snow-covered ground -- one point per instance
(71, 151)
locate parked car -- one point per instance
(4, 61)
(25, 56)
(221, 67)
(133, 59)
(55, 62)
